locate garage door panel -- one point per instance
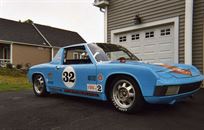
(168, 61)
(136, 50)
(139, 56)
(156, 48)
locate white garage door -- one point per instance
(154, 44)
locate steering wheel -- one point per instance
(122, 59)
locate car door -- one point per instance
(77, 71)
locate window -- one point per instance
(6, 53)
(135, 36)
(149, 34)
(76, 55)
(165, 32)
(122, 39)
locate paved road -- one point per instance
(22, 110)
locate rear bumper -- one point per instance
(168, 99)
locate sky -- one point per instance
(75, 15)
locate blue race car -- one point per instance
(111, 72)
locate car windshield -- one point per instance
(106, 52)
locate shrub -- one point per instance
(27, 66)
(19, 66)
(9, 66)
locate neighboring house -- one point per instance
(30, 43)
(169, 31)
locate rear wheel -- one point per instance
(125, 95)
(39, 86)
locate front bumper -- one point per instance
(167, 90)
(162, 96)
(168, 99)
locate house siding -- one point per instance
(121, 14)
(23, 54)
(55, 51)
(198, 27)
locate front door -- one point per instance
(77, 72)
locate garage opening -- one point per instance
(153, 44)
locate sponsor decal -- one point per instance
(100, 77)
(69, 77)
(176, 69)
(50, 75)
(92, 78)
(94, 88)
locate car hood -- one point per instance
(166, 70)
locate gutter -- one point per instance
(105, 11)
(188, 31)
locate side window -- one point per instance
(135, 36)
(165, 32)
(149, 34)
(122, 39)
(76, 55)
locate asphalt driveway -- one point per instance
(22, 110)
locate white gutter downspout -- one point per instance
(188, 31)
(52, 50)
(105, 11)
(106, 24)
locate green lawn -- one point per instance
(13, 80)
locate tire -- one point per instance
(125, 95)
(39, 86)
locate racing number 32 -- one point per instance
(68, 77)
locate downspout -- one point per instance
(52, 49)
(188, 31)
(105, 11)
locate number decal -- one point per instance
(65, 77)
(99, 88)
(69, 76)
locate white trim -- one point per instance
(106, 24)
(21, 43)
(188, 31)
(41, 35)
(174, 20)
(11, 53)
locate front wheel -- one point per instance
(39, 86)
(125, 95)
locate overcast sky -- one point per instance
(75, 15)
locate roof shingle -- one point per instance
(26, 33)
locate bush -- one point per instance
(27, 66)
(9, 66)
(19, 66)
